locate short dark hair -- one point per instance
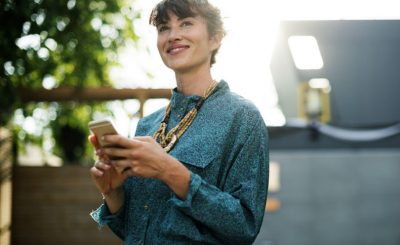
(190, 8)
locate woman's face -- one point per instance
(184, 44)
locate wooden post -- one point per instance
(142, 101)
(5, 186)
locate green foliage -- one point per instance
(70, 130)
(72, 41)
(49, 43)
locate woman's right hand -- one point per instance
(104, 175)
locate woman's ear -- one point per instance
(216, 40)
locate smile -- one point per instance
(176, 49)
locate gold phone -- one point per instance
(103, 127)
(100, 128)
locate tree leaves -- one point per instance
(49, 43)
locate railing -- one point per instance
(93, 94)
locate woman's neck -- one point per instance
(193, 84)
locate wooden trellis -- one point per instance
(93, 94)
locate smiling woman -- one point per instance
(237, 63)
(197, 170)
(182, 45)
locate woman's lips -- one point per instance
(176, 49)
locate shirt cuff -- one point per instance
(103, 216)
(194, 185)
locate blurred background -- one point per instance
(324, 74)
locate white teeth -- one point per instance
(174, 50)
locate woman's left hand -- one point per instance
(144, 157)
(140, 156)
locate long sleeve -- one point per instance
(233, 214)
(115, 221)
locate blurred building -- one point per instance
(339, 151)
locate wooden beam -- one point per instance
(90, 94)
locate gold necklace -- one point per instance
(168, 140)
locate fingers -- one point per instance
(117, 153)
(122, 166)
(102, 155)
(125, 142)
(144, 139)
(98, 150)
(129, 172)
(99, 168)
(93, 140)
(121, 141)
(96, 172)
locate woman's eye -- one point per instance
(162, 28)
(186, 23)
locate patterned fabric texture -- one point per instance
(226, 150)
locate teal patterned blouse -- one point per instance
(226, 150)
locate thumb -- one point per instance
(93, 140)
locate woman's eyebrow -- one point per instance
(185, 17)
(162, 23)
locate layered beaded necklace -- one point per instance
(168, 140)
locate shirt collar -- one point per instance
(179, 99)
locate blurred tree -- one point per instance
(49, 43)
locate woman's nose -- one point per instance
(174, 34)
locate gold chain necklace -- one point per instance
(168, 140)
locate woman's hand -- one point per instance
(105, 177)
(143, 156)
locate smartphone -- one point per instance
(100, 128)
(103, 127)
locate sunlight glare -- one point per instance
(243, 60)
